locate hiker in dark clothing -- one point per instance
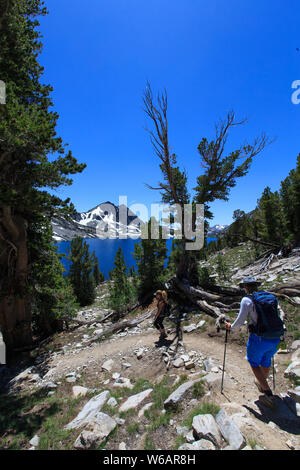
(265, 319)
(162, 300)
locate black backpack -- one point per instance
(166, 310)
(269, 324)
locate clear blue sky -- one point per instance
(211, 56)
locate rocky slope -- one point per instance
(130, 391)
(126, 393)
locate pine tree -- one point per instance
(222, 268)
(220, 172)
(271, 220)
(27, 137)
(81, 272)
(98, 275)
(290, 196)
(52, 295)
(175, 256)
(122, 292)
(150, 256)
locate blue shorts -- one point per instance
(261, 350)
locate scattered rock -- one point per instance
(185, 357)
(190, 436)
(120, 421)
(90, 409)
(296, 356)
(101, 424)
(142, 410)
(189, 365)
(35, 441)
(290, 445)
(204, 426)
(25, 375)
(126, 365)
(122, 446)
(86, 440)
(112, 401)
(98, 331)
(295, 345)
(71, 379)
(108, 365)
(202, 444)
(49, 386)
(179, 362)
(123, 382)
(139, 353)
(189, 328)
(230, 431)
(293, 373)
(78, 391)
(173, 400)
(135, 400)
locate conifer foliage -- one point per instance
(150, 255)
(33, 158)
(122, 294)
(81, 272)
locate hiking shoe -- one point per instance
(267, 400)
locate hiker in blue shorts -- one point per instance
(265, 323)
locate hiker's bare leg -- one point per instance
(260, 375)
(265, 371)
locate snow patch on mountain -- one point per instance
(103, 221)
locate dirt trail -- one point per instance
(240, 394)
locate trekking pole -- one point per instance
(226, 340)
(274, 385)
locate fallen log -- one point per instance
(209, 309)
(194, 293)
(286, 297)
(121, 326)
(101, 320)
(224, 290)
(85, 322)
(234, 305)
(289, 292)
(292, 285)
(260, 242)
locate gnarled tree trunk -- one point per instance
(15, 305)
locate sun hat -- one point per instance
(249, 280)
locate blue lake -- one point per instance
(106, 250)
